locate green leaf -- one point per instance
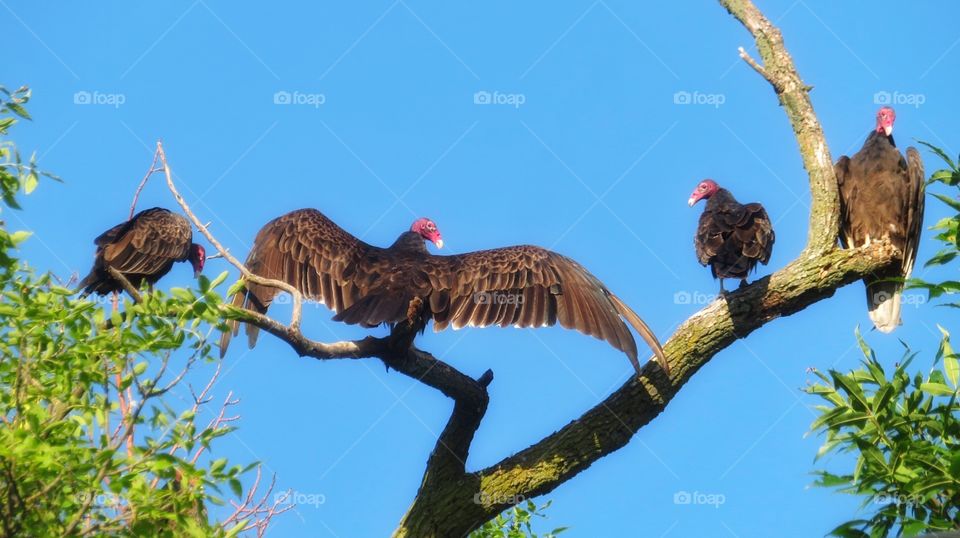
(950, 363)
(30, 182)
(851, 388)
(219, 280)
(941, 258)
(943, 176)
(17, 109)
(937, 389)
(19, 237)
(236, 487)
(943, 155)
(954, 204)
(864, 348)
(235, 287)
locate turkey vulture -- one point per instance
(142, 248)
(522, 286)
(731, 237)
(881, 197)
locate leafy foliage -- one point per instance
(90, 444)
(14, 174)
(903, 428)
(946, 228)
(517, 522)
(905, 431)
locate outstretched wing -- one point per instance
(527, 286)
(147, 244)
(311, 253)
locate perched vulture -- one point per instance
(142, 248)
(522, 286)
(731, 237)
(881, 197)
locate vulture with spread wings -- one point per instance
(520, 286)
(142, 248)
(881, 197)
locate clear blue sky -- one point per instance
(596, 162)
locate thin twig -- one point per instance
(757, 67)
(247, 275)
(143, 183)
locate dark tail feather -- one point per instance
(243, 299)
(91, 283)
(644, 331)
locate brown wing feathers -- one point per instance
(521, 286)
(882, 196)
(732, 237)
(143, 248)
(310, 252)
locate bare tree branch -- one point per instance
(778, 69)
(125, 284)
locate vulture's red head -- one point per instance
(427, 230)
(704, 190)
(197, 258)
(885, 118)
